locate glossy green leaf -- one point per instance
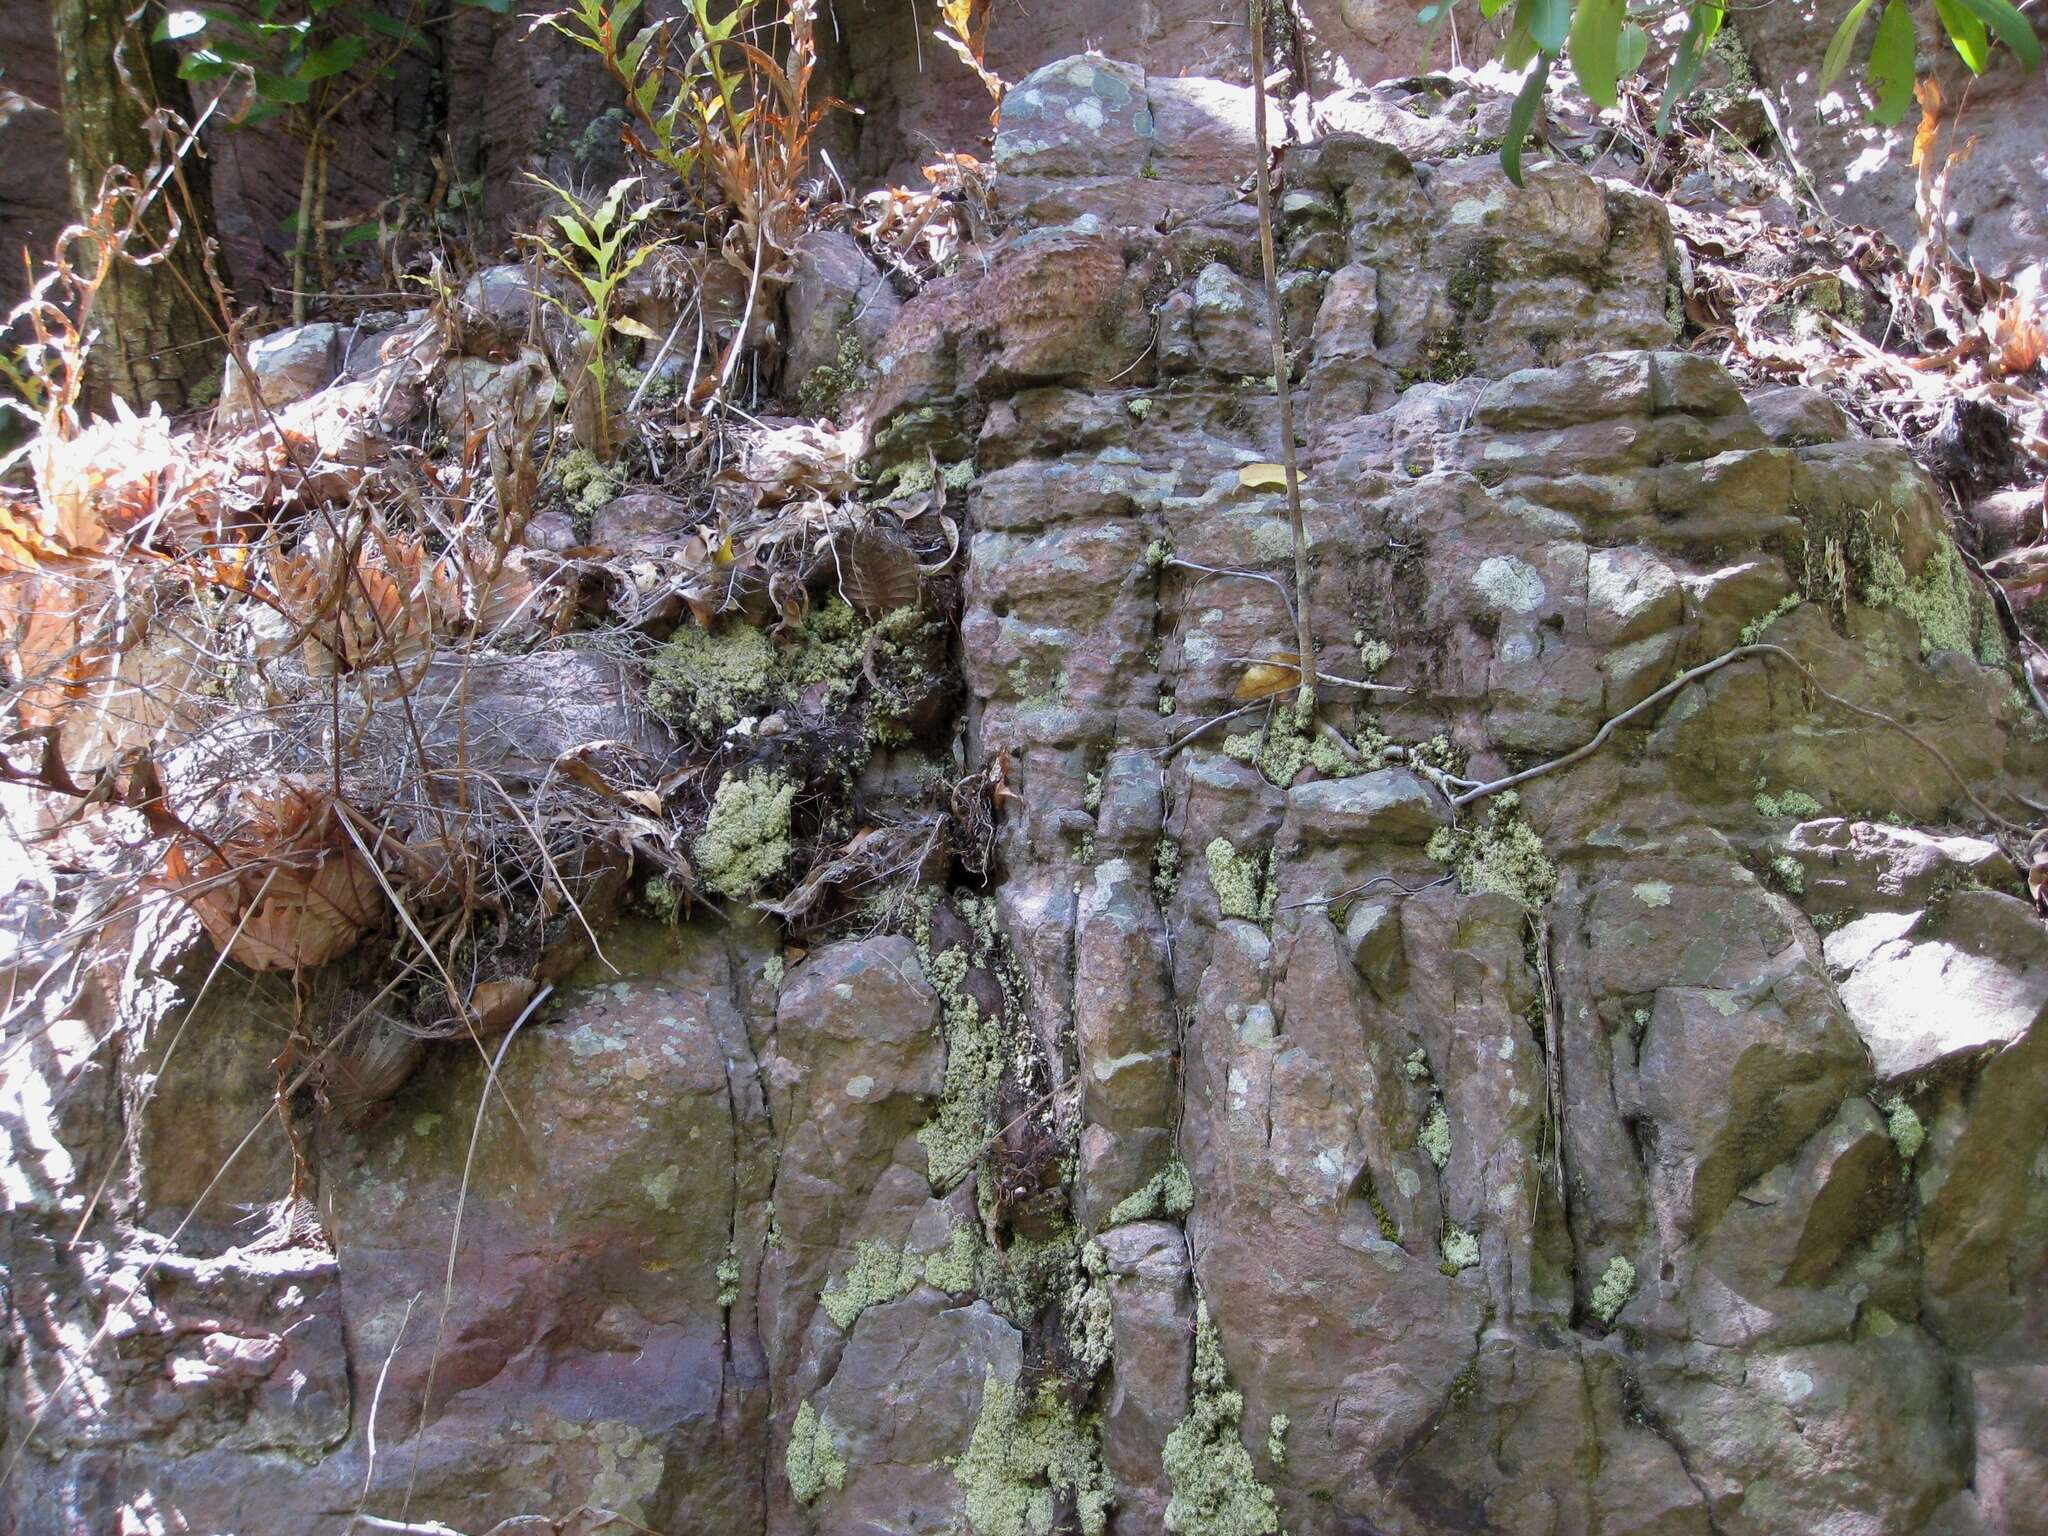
(1491, 8)
(1549, 23)
(1521, 116)
(1700, 29)
(282, 90)
(2012, 28)
(1967, 32)
(333, 58)
(1596, 48)
(1634, 48)
(1836, 59)
(1520, 48)
(1891, 63)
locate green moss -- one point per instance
(878, 1274)
(1753, 631)
(1240, 890)
(1504, 855)
(1170, 1192)
(1789, 874)
(1617, 1284)
(1945, 603)
(746, 841)
(952, 1268)
(662, 899)
(1435, 1136)
(1215, 1489)
(812, 1463)
(1460, 1249)
(1907, 1133)
(1022, 1458)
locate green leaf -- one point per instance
(1704, 23)
(1518, 50)
(1549, 23)
(362, 234)
(1836, 59)
(281, 90)
(1966, 32)
(1491, 8)
(2012, 28)
(1521, 116)
(1635, 47)
(1891, 63)
(333, 58)
(1596, 48)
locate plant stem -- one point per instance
(1304, 636)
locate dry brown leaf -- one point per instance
(498, 1004)
(1262, 679)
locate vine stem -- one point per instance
(1304, 638)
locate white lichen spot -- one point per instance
(1653, 893)
(661, 1187)
(1509, 583)
(860, 1087)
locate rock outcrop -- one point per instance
(1291, 1137)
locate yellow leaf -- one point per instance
(1262, 477)
(1263, 679)
(626, 325)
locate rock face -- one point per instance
(1661, 1150)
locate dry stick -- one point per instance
(1304, 640)
(376, 1399)
(476, 1131)
(1700, 671)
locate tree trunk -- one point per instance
(155, 345)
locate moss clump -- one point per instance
(589, 484)
(1240, 889)
(878, 1274)
(1504, 855)
(1907, 1133)
(1373, 655)
(707, 680)
(1789, 874)
(1086, 1308)
(1170, 1192)
(1753, 631)
(952, 1268)
(1276, 1439)
(1617, 1284)
(1435, 1136)
(1952, 614)
(1794, 803)
(812, 1463)
(1460, 1249)
(1216, 1490)
(1282, 750)
(772, 971)
(1415, 1067)
(746, 841)
(662, 898)
(728, 1273)
(1021, 1459)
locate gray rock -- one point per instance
(288, 366)
(835, 298)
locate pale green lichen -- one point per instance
(707, 681)
(662, 898)
(1435, 1136)
(877, 1275)
(1165, 869)
(745, 843)
(812, 1463)
(1373, 655)
(1240, 890)
(957, 1134)
(1416, 1066)
(1460, 1249)
(1215, 1488)
(772, 972)
(1091, 800)
(1504, 855)
(952, 1268)
(1789, 874)
(1021, 1459)
(1282, 750)
(1617, 1284)
(1169, 1192)
(1276, 1439)
(1794, 803)
(1139, 408)
(1753, 631)
(1086, 1308)
(728, 1273)
(1907, 1133)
